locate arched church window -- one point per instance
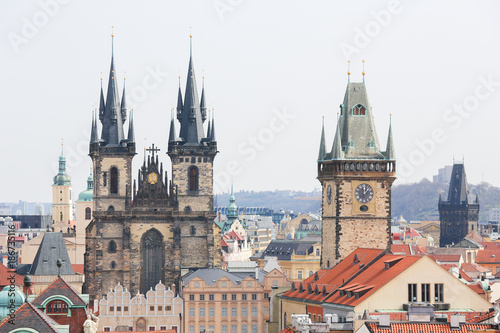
(113, 265)
(111, 209)
(193, 178)
(359, 110)
(114, 180)
(112, 247)
(88, 213)
(152, 259)
(60, 216)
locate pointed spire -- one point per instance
(322, 144)
(390, 154)
(348, 71)
(337, 153)
(203, 107)
(124, 104)
(212, 130)
(179, 102)
(172, 136)
(131, 136)
(363, 71)
(191, 120)
(209, 128)
(112, 120)
(102, 104)
(93, 131)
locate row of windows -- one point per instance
(151, 308)
(234, 297)
(193, 159)
(224, 328)
(425, 292)
(224, 312)
(150, 328)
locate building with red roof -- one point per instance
(489, 259)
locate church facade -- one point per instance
(152, 229)
(356, 178)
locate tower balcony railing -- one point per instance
(356, 167)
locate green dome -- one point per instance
(5, 300)
(88, 194)
(62, 177)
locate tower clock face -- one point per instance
(329, 194)
(364, 193)
(152, 178)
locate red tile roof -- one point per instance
(426, 327)
(234, 235)
(28, 316)
(473, 267)
(477, 288)
(488, 257)
(490, 245)
(373, 278)
(78, 268)
(325, 281)
(223, 242)
(5, 275)
(59, 287)
(401, 248)
(465, 276)
(447, 257)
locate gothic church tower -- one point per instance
(356, 178)
(62, 201)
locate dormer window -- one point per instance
(371, 144)
(359, 110)
(351, 144)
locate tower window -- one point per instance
(105, 179)
(112, 247)
(193, 230)
(114, 180)
(193, 178)
(88, 213)
(113, 265)
(61, 216)
(359, 110)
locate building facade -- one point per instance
(218, 301)
(459, 214)
(150, 229)
(356, 177)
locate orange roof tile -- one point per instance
(376, 275)
(473, 267)
(78, 268)
(329, 280)
(447, 257)
(425, 327)
(488, 257)
(490, 245)
(477, 288)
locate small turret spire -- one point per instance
(390, 154)
(322, 144)
(209, 128)
(179, 101)
(172, 136)
(102, 104)
(203, 107)
(124, 104)
(93, 129)
(363, 71)
(337, 153)
(212, 130)
(131, 136)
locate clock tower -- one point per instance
(356, 177)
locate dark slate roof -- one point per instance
(59, 287)
(244, 275)
(283, 249)
(23, 269)
(28, 316)
(51, 248)
(211, 274)
(458, 192)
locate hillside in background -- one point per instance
(418, 201)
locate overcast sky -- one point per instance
(272, 70)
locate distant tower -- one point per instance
(459, 214)
(356, 177)
(84, 207)
(232, 209)
(62, 202)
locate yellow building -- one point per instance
(298, 259)
(221, 302)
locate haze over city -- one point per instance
(272, 70)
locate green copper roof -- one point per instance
(88, 194)
(232, 209)
(62, 177)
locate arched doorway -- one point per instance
(140, 324)
(152, 259)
